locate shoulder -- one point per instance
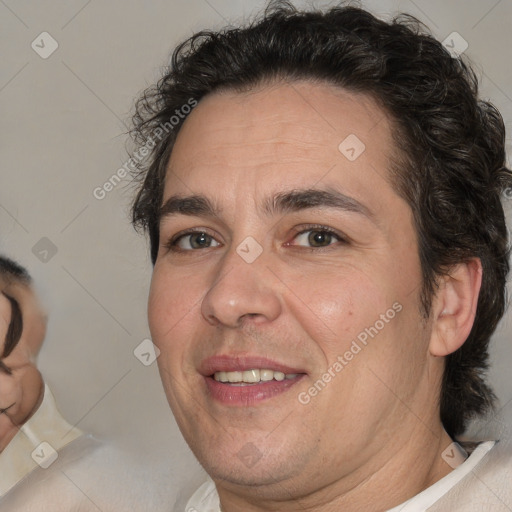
(88, 475)
(487, 487)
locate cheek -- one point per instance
(334, 307)
(165, 304)
(173, 307)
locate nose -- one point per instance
(241, 292)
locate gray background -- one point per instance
(62, 134)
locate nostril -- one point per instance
(211, 319)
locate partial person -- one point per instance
(32, 431)
(46, 463)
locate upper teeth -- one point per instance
(250, 376)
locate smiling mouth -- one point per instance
(242, 380)
(231, 388)
(251, 377)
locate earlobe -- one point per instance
(454, 307)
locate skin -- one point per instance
(356, 445)
(21, 392)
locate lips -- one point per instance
(214, 369)
(240, 363)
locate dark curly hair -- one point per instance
(451, 164)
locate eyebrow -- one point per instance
(190, 205)
(301, 199)
(285, 202)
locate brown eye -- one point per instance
(194, 240)
(200, 240)
(319, 238)
(316, 238)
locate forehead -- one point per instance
(294, 133)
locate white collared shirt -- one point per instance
(36, 444)
(206, 498)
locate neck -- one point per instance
(405, 468)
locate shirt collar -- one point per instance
(37, 443)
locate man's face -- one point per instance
(332, 252)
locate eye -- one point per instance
(3, 411)
(192, 240)
(317, 237)
(5, 369)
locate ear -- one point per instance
(454, 307)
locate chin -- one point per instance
(249, 465)
(240, 475)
